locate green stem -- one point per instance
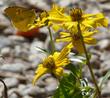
(51, 40)
(88, 61)
(95, 95)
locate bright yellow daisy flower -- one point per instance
(75, 39)
(57, 15)
(53, 64)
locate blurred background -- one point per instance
(19, 57)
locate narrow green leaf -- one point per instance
(65, 93)
(42, 50)
(75, 70)
(105, 78)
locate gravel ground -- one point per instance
(20, 57)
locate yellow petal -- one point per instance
(89, 34)
(56, 27)
(65, 51)
(56, 14)
(90, 41)
(56, 54)
(87, 15)
(39, 72)
(88, 23)
(95, 20)
(78, 45)
(63, 62)
(64, 34)
(70, 25)
(58, 62)
(58, 72)
(102, 22)
(68, 39)
(64, 37)
(105, 22)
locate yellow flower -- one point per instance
(75, 39)
(53, 64)
(57, 15)
(57, 18)
(44, 17)
(42, 20)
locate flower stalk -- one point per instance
(51, 40)
(88, 61)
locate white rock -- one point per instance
(105, 56)
(5, 42)
(5, 51)
(11, 82)
(17, 38)
(27, 96)
(15, 67)
(13, 95)
(36, 55)
(39, 3)
(103, 44)
(30, 90)
(51, 85)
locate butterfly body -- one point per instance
(29, 34)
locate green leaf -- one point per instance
(43, 50)
(76, 70)
(69, 87)
(105, 78)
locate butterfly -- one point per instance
(21, 18)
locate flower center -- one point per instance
(49, 62)
(76, 14)
(76, 37)
(43, 16)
